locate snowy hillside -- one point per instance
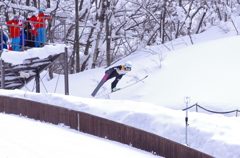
(207, 72)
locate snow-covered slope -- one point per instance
(207, 72)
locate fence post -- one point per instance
(2, 73)
(186, 100)
(66, 72)
(196, 108)
(237, 113)
(37, 80)
(1, 40)
(78, 123)
(23, 40)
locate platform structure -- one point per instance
(16, 76)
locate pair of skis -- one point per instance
(104, 79)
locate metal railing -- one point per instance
(211, 111)
(55, 32)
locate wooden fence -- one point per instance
(98, 126)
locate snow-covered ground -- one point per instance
(26, 138)
(206, 72)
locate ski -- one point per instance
(104, 79)
(130, 84)
(125, 86)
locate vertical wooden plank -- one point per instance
(116, 131)
(152, 145)
(55, 113)
(161, 146)
(17, 106)
(94, 124)
(84, 122)
(7, 105)
(23, 107)
(129, 138)
(103, 128)
(47, 115)
(1, 103)
(73, 122)
(64, 116)
(123, 134)
(32, 110)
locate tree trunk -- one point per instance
(200, 23)
(100, 20)
(72, 60)
(27, 2)
(89, 41)
(163, 16)
(77, 38)
(85, 63)
(108, 37)
(35, 3)
(48, 4)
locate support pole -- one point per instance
(25, 84)
(2, 74)
(186, 100)
(78, 123)
(23, 40)
(39, 4)
(37, 78)
(1, 51)
(66, 72)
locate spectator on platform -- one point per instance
(14, 32)
(3, 40)
(23, 37)
(29, 34)
(34, 28)
(41, 28)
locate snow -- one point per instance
(25, 138)
(19, 57)
(206, 72)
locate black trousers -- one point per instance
(118, 77)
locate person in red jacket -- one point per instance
(41, 28)
(14, 32)
(33, 18)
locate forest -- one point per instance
(101, 32)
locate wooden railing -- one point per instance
(98, 126)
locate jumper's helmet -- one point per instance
(128, 65)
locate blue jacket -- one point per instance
(25, 37)
(5, 39)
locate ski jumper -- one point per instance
(118, 72)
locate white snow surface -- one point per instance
(207, 72)
(25, 138)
